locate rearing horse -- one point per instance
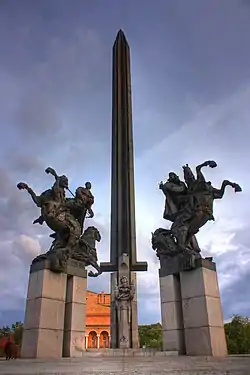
(199, 211)
(54, 210)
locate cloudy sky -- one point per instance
(190, 64)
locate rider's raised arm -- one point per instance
(51, 171)
(36, 199)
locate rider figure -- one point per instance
(58, 191)
(89, 198)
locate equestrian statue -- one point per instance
(189, 206)
(65, 217)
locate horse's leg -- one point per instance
(194, 243)
(74, 232)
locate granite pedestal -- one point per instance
(171, 312)
(54, 323)
(191, 311)
(202, 313)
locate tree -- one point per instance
(238, 335)
(17, 330)
(5, 331)
(150, 335)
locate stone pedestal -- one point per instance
(191, 311)
(44, 316)
(171, 313)
(54, 308)
(202, 313)
(75, 313)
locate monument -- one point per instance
(54, 325)
(123, 262)
(190, 299)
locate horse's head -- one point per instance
(94, 233)
(155, 239)
(162, 239)
(188, 174)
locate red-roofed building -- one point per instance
(97, 334)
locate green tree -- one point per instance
(5, 331)
(17, 330)
(238, 335)
(150, 335)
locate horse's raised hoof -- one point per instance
(212, 164)
(237, 188)
(22, 186)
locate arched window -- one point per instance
(104, 339)
(92, 339)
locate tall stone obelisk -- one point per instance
(123, 260)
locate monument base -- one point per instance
(191, 311)
(202, 313)
(129, 352)
(55, 311)
(171, 312)
(75, 313)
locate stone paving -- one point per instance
(129, 365)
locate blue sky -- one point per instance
(190, 63)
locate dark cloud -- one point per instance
(26, 164)
(190, 86)
(245, 2)
(9, 317)
(235, 297)
(5, 183)
(38, 116)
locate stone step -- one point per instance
(127, 353)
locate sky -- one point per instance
(190, 68)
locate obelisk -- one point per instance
(123, 260)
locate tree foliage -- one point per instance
(16, 331)
(150, 336)
(238, 335)
(5, 331)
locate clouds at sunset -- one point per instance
(191, 92)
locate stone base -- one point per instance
(75, 312)
(202, 313)
(44, 316)
(191, 311)
(42, 343)
(171, 313)
(127, 353)
(55, 312)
